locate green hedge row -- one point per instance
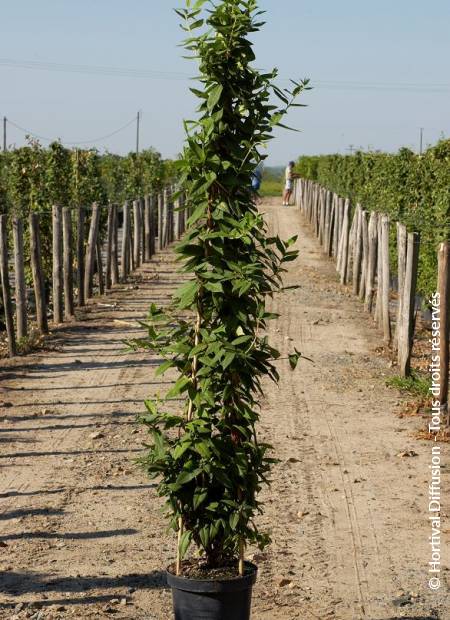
(32, 178)
(409, 188)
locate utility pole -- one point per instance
(138, 124)
(421, 141)
(4, 134)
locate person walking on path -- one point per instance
(290, 176)
(256, 183)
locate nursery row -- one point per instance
(359, 243)
(409, 188)
(102, 242)
(33, 177)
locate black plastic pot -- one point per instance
(227, 599)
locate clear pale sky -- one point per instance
(380, 71)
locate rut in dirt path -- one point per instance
(82, 526)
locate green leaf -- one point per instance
(164, 367)
(214, 96)
(187, 476)
(199, 498)
(180, 449)
(185, 542)
(234, 520)
(180, 386)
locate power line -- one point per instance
(175, 75)
(98, 139)
(93, 69)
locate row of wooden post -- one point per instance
(156, 220)
(359, 242)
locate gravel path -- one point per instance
(81, 530)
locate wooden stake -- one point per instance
(153, 222)
(160, 220)
(407, 320)
(180, 534)
(125, 257)
(357, 249)
(351, 245)
(371, 261)
(365, 252)
(137, 234)
(68, 263)
(6, 290)
(109, 247)
(241, 558)
(80, 256)
(386, 321)
(91, 252)
(147, 230)
(99, 263)
(345, 239)
(444, 293)
(38, 276)
(402, 241)
(115, 247)
(57, 265)
(20, 286)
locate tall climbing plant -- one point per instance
(209, 461)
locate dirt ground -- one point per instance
(81, 529)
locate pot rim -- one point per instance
(232, 584)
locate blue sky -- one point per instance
(379, 71)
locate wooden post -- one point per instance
(322, 215)
(20, 286)
(99, 263)
(331, 223)
(38, 276)
(147, 229)
(160, 220)
(130, 240)
(109, 247)
(386, 321)
(357, 250)
(339, 234)
(405, 328)
(402, 242)
(165, 224)
(345, 238)
(115, 247)
(340, 202)
(80, 255)
(68, 263)
(183, 213)
(154, 221)
(137, 234)
(125, 258)
(444, 294)
(57, 264)
(371, 261)
(6, 290)
(378, 313)
(351, 244)
(142, 227)
(365, 253)
(91, 252)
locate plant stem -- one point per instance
(180, 534)
(241, 557)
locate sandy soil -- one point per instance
(81, 530)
